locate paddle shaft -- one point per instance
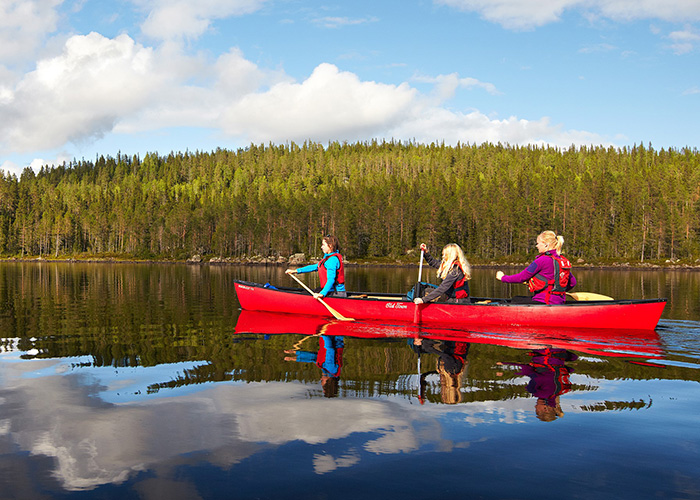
(420, 266)
(335, 313)
(417, 310)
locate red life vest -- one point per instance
(323, 278)
(549, 360)
(337, 355)
(461, 287)
(555, 286)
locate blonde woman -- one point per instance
(548, 276)
(454, 271)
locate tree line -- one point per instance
(380, 198)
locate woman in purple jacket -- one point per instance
(548, 276)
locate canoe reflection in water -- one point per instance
(549, 378)
(329, 359)
(450, 365)
(444, 353)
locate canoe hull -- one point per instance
(623, 314)
(604, 341)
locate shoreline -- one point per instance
(262, 262)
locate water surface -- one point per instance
(146, 381)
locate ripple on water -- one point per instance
(681, 338)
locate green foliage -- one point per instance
(380, 198)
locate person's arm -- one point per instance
(304, 357)
(452, 276)
(431, 261)
(307, 269)
(572, 282)
(523, 275)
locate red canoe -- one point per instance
(616, 314)
(605, 342)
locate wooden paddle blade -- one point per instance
(335, 313)
(584, 296)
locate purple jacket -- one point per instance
(544, 265)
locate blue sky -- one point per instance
(80, 78)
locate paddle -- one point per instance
(417, 311)
(335, 313)
(584, 296)
(420, 266)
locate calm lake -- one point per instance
(147, 381)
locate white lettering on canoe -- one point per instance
(246, 287)
(396, 305)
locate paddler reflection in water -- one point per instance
(329, 359)
(549, 378)
(451, 363)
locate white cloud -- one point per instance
(329, 105)
(529, 14)
(99, 85)
(515, 14)
(337, 22)
(667, 10)
(173, 19)
(597, 48)
(447, 85)
(332, 105)
(198, 104)
(685, 41)
(79, 94)
(437, 125)
(10, 167)
(24, 25)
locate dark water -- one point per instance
(131, 381)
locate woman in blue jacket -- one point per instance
(331, 271)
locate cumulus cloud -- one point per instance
(184, 102)
(333, 105)
(79, 94)
(435, 124)
(98, 85)
(171, 19)
(329, 105)
(530, 14)
(24, 25)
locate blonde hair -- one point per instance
(452, 253)
(552, 240)
(450, 384)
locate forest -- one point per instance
(380, 198)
